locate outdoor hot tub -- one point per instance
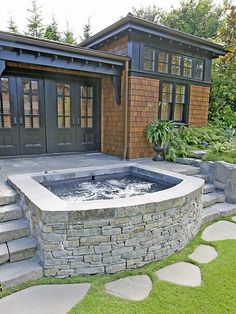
(110, 218)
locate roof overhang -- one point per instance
(131, 23)
(30, 50)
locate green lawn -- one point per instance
(216, 295)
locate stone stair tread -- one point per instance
(217, 210)
(13, 274)
(4, 254)
(219, 185)
(14, 229)
(208, 188)
(22, 248)
(10, 212)
(189, 161)
(202, 176)
(212, 198)
(7, 194)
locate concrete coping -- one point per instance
(29, 185)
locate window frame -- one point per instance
(154, 60)
(173, 103)
(195, 70)
(161, 62)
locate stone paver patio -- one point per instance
(221, 230)
(181, 273)
(44, 299)
(135, 288)
(203, 254)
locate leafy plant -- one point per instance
(159, 132)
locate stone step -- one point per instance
(10, 212)
(7, 194)
(4, 254)
(212, 198)
(189, 161)
(202, 176)
(208, 188)
(13, 230)
(13, 274)
(21, 249)
(217, 210)
(219, 185)
(198, 153)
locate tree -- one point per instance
(151, 13)
(35, 26)
(12, 27)
(69, 36)
(51, 31)
(87, 30)
(223, 92)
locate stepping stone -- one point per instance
(203, 254)
(221, 230)
(48, 299)
(184, 274)
(234, 218)
(135, 288)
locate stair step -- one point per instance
(13, 274)
(218, 210)
(202, 176)
(10, 212)
(219, 185)
(189, 161)
(208, 188)
(22, 248)
(13, 230)
(7, 194)
(4, 254)
(198, 153)
(212, 198)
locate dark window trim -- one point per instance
(186, 105)
(194, 69)
(154, 60)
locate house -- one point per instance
(100, 95)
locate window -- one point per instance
(5, 109)
(188, 67)
(176, 65)
(198, 69)
(163, 62)
(149, 59)
(63, 106)
(173, 101)
(31, 104)
(86, 107)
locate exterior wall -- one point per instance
(198, 106)
(112, 116)
(119, 46)
(143, 108)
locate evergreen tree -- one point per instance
(151, 13)
(35, 26)
(87, 30)
(12, 27)
(51, 31)
(69, 36)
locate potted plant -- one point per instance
(159, 133)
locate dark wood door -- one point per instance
(31, 119)
(9, 129)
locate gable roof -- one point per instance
(131, 22)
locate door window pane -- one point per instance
(63, 105)
(86, 107)
(31, 104)
(5, 107)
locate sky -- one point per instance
(101, 13)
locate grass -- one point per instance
(216, 295)
(224, 156)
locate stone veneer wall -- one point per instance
(198, 106)
(111, 240)
(143, 108)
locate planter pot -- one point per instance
(158, 149)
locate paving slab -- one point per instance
(135, 288)
(204, 254)
(48, 299)
(221, 230)
(181, 273)
(234, 218)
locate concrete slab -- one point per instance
(234, 218)
(135, 288)
(50, 299)
(204, 254)
(221, 230)
(182, 273)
